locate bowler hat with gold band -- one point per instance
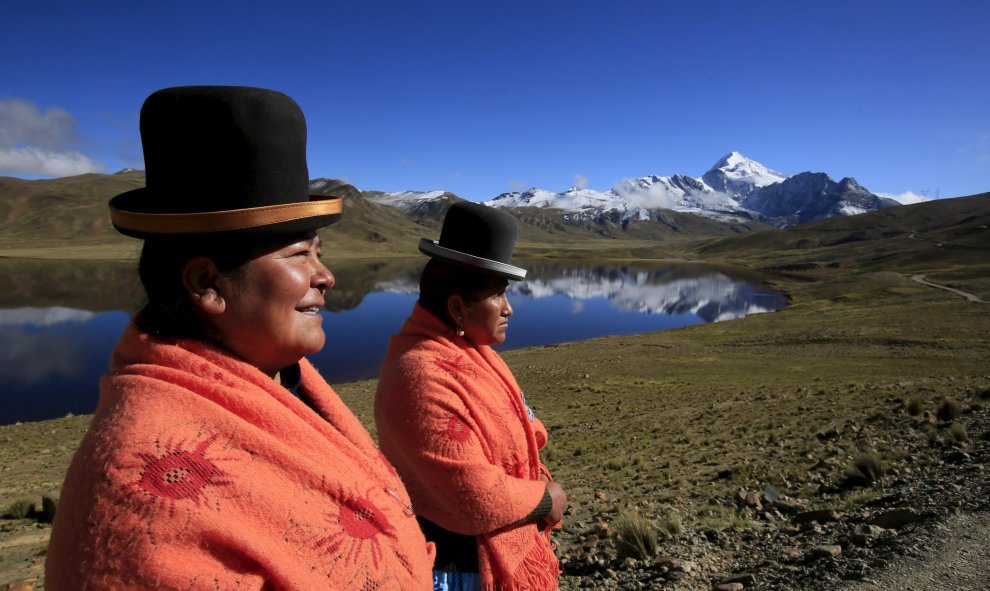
(222, 159)
(477, 236)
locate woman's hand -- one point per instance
(559, 497)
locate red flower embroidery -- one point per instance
(180, 474)
(453, 366)
(457, 430)
(361, 519)
(354, 540)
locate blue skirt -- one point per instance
(455, 581)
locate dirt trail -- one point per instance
(959, 560)
(969, 296)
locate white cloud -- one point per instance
(580, 181)
(46, 163)
(649, 197)
(906, 198)
(40, 143)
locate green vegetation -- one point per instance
(957, 435)
(685, 418)
(636, 536)
(19, 509)
(865, 469)
(949, 410)
(914, 406)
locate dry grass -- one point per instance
(685, 418)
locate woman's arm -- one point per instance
(444, 463)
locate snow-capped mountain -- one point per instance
(734, 189)
(737, 175)
(813, 196)
(422, 203)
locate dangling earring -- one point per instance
(460, 326)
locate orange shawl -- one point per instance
(199, 471)
(452, 419)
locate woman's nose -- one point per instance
(323, 279)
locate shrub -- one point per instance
(949, 410)
(914, 406)
(957, 434)
(931, 434)
(20, 509)
(669, 524)
(985, 394)
(636, 536)
(614, 465)
(48, 506)
(865, 469)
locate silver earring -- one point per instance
(460, 326)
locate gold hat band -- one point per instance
(222, 221)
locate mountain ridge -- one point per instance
(735, 189)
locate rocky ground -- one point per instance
(918, 528)
(734, 442)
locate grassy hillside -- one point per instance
(67, 218)
(671, 425)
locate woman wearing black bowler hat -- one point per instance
(455, 424)
(218, 457)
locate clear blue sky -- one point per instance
(481, 98)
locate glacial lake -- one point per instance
(59, 321)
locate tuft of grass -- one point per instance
(669, 524)
(949, 410)
(49, 505)
(722, 518)
(914, 406)
(957, 435)
(931, 434)
(636, 536)
(19, 509)
(614, 465)
(985, 395)
(864, 469)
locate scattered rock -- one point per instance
(791, 506)
(820, 516)
(826, 551)
(895, 519)
(828, 434)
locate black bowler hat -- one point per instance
(478, 236)
(222, 159)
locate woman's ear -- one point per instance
(200, 276)
(457, 308)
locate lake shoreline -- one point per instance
(690, 428)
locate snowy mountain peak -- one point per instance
(412, 201)
(739, 175)
(735, 189)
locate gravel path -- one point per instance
(958, 561)
(969, 296)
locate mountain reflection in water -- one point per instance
(52, 354)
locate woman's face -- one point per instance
(486, 320)
(271, 316)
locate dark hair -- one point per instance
(441, 279)
(168, 312)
